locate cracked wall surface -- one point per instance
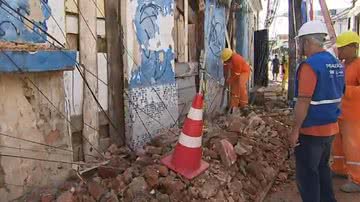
(25, 113)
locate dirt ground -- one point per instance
(289, 193)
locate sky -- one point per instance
(280, 24)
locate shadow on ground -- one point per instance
(289, 193)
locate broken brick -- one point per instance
(283, 176)
(107, 172)
(226, 151)
(163, 170)
(113, 149)
(47, 198)
(96, 190)
(66, 197)
(171, 185)
(153, 150)
(151, 176)
(209, 189)
(136, 187)
(128, 175)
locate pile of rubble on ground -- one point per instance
(260, 148)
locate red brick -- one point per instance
(171, 185)
(163, 170)
(96, 190)
(47, 198)
(107, 172)
(226, 152)
(151, 176)
(66, 197)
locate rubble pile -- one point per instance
(245, 154)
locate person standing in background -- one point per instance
(285, 72)
(347, 142)
(275, 67)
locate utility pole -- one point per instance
(186, 30)
(294, 25)
(115, 72)
(88, 57)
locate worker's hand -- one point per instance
(294, 137)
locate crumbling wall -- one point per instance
(149, 62)
(26, 114)
(215, 27)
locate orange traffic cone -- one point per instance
(186, 159)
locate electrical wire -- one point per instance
(76, 61)
(59, 161)
(133, 60)
(47, 98)
(90, 71)
(80, 72)
(39, 143)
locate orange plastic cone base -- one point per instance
(187, 173)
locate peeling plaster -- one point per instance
(153, 23)
(13, 29)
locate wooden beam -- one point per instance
(77, 121)
(186, 36)
(294, 25)
(115, 72)
(192, 15)
(88, 57)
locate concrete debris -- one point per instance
(245, 154)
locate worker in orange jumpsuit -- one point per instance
(346, 146)
(239, 71)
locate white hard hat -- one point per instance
(312, 27)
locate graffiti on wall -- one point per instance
(215, 32)
(14, 27)
(156, 65)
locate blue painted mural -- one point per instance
(156, 65)
(13, 27)
(215, 31)
(242, 34)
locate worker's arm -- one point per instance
(232, 79)
(352, 92)
(307, 84)
(301, 110)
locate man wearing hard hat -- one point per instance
(347, 142)
(239, 76)
(319, 88)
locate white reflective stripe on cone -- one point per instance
(322, 102)
(195, 114)
(353, 163)
(338, 157)
(191, 142)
